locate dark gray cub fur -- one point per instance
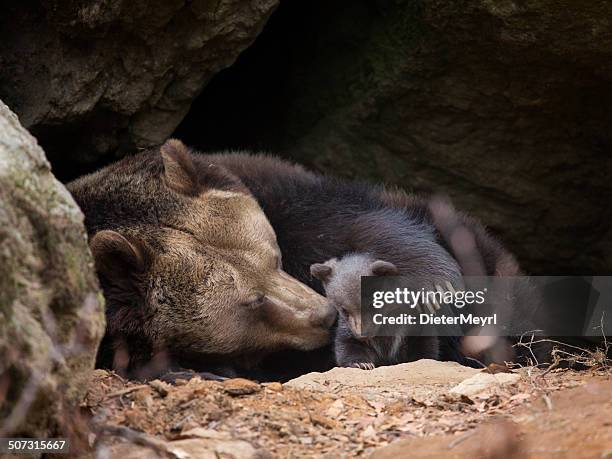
(342, 282)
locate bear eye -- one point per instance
(256, 301)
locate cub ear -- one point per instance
(322, 271)
(384, 268)
(117, 259)
(179, 171)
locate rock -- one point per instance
(503, 105)
(160, 387)
(274, 386)
(483, 382)
(203, 449)
(196, 443)
(421, 379)
(240, 386)
(51, 309)
(115, 75)
(323, 421)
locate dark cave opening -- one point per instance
(246, 106)
(68, 148)
(241, 104)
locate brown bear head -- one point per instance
(189, 263)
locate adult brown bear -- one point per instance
(190, 269)
(162, 205)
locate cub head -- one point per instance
(189, 263)
(342, 282)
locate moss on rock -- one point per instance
(51, 309)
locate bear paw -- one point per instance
(362, 365)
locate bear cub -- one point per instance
(341, 279)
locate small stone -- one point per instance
(323, 421)
(240, 386)
(160, 387)
(274, 386)
(483, 382)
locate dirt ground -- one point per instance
(417, 410)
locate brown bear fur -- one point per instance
(190, 268)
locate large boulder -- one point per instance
(504, 105)
(51, 309)
(114, 75)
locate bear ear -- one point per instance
(117, 259)
(179, 171)
(322, 271)
(384, 268)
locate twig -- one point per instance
(554, 365)
(594, 359)
(528, 346)
(476, 360)
(117, 376)
(134, 437)
(126, 391)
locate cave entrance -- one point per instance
(257, 104)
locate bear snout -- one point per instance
(324, 319)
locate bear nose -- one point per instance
(325, 320)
